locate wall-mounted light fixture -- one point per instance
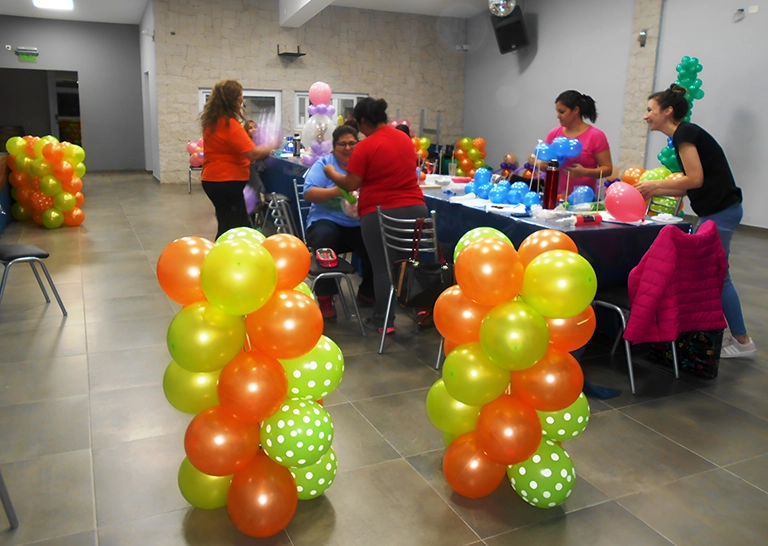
(642, 37)
(62, 5)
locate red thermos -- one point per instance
(552, 181)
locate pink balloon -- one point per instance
(320, 93)
(195, 160)
(624, 202)
(200, 143)
(404, 122)
(191, 147)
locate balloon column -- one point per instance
(470, 155)
(250, 361)
(196, 152)
(318, 131)
(421, 147)
(46, 180)
(510, 388)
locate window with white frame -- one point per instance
(263, 107)
(342, 102)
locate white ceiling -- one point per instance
(130, 11)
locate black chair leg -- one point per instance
(5, 498)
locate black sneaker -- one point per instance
(368, 323)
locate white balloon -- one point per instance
(501, 8)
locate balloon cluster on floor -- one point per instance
(470, 155)
(250, 361)
(510, 392)
(318, 131)
(46, 180)
(196, 152)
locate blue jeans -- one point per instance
(726, 221)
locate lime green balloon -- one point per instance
(559, 284)
(52, 218)
(317, 373)
(663, 172)
(15, 145)
(567, 423)
(20, 212)
(190, 392)
(514, 335)
(40, 167)
(80, 170)
(298, 435)
(49, 185)
(74, 154)
(201, 490)
(475, 234)
(546, 479)
(23, 164)
(240, 233)
(64, 201)
(238, 276)
(313, 480)
(447, 414)
(471, 377)
(649, 175)
(203, 338)
(306, 290)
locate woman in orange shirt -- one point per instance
(229, 152)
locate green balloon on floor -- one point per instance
(546, 479)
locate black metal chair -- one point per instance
(11, 254)
(5, 498)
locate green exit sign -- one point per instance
(27, 58)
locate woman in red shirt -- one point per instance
(229, 152)
(382, 167)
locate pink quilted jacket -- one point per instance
(677, 285)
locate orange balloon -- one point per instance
(63, 171)
(448, 346)
(24, 196)
(469, 471)
(541, 241)
(632, 175)
(489, 272)
(508, 431)
(252, 386)
(53, 152)
(79, 199)
(471, 172)
(34, 183)
(287, 326)
(219, 444)
(41, 202)
(18, 180)
(74, 217)
(483, 154)
(457, 317)
(552, 384)
(292, 259)
(262, 498)
(569, 334)
(460, 154)
(466, 164)
(73, 186)
(30, 148)
(178, 269)
(37, 217)
(527, 173)
(479, 143)
(416, 143)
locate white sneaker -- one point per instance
(733, 349)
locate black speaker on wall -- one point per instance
(510, 31)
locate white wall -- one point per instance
(735, 81)
(509, 99)
(149, 89)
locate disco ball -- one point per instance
(501, 8)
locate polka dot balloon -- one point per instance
(313, 480)
(298, 435)
(317, 373)
(567, 423)
(546, 479)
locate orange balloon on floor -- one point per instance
(469, 471)
(543, 240)
(252, 386)
(552, 384)
(287, 326)
(178, 269)
(457, 317)
(74, 217)
(292, 259)
(569, 334)
(508, 430)
(489, 272)
(262, 498)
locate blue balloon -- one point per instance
(498, 195)
(670, 143)
(545, 152)
(561, 146)
(515, 196)
(482, 176)
(522, 187)
(469, 187)
(482, 190)
(531, 198)
(574, 148)
(504, 184)
(581, 194)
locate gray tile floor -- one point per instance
(90, 449)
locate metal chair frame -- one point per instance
(5, 498)
(32, 260)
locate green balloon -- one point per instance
(20, 212)
(448, 438)
(514, 335)
(240, 233)
(64, 201)
(306, 290)
(190, 392)
(559, 284)
(475, 234)
(201, 490)
(663, 172)
(447, 414)
(49, 185)
(314, 479)
(74, 154)
(52, 218)
(567, 423)
(15, 145)
(546, 479)
(317, 373)
(40, 167)
(80, 170)
(471, 377)
(202, 338)
(298, 435)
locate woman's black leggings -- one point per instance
(228, 200)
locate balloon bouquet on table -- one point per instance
(510, 392)
(470, 155)
(250, 361)
(46, 179)
(318, 131)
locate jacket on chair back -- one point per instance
(677, 285)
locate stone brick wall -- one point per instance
(639, 82)
(402, 58)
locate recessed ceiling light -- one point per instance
(54, 4)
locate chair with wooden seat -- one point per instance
(12, 254)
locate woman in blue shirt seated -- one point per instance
(329, 227)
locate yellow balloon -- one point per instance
(201, 490)
(559, 283)
(190, 392)
(306, 290)
(471, 377)
(447, 414)
(514, 335)
(240, 233)
(238, 276)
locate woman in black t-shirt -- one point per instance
(709, 184)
